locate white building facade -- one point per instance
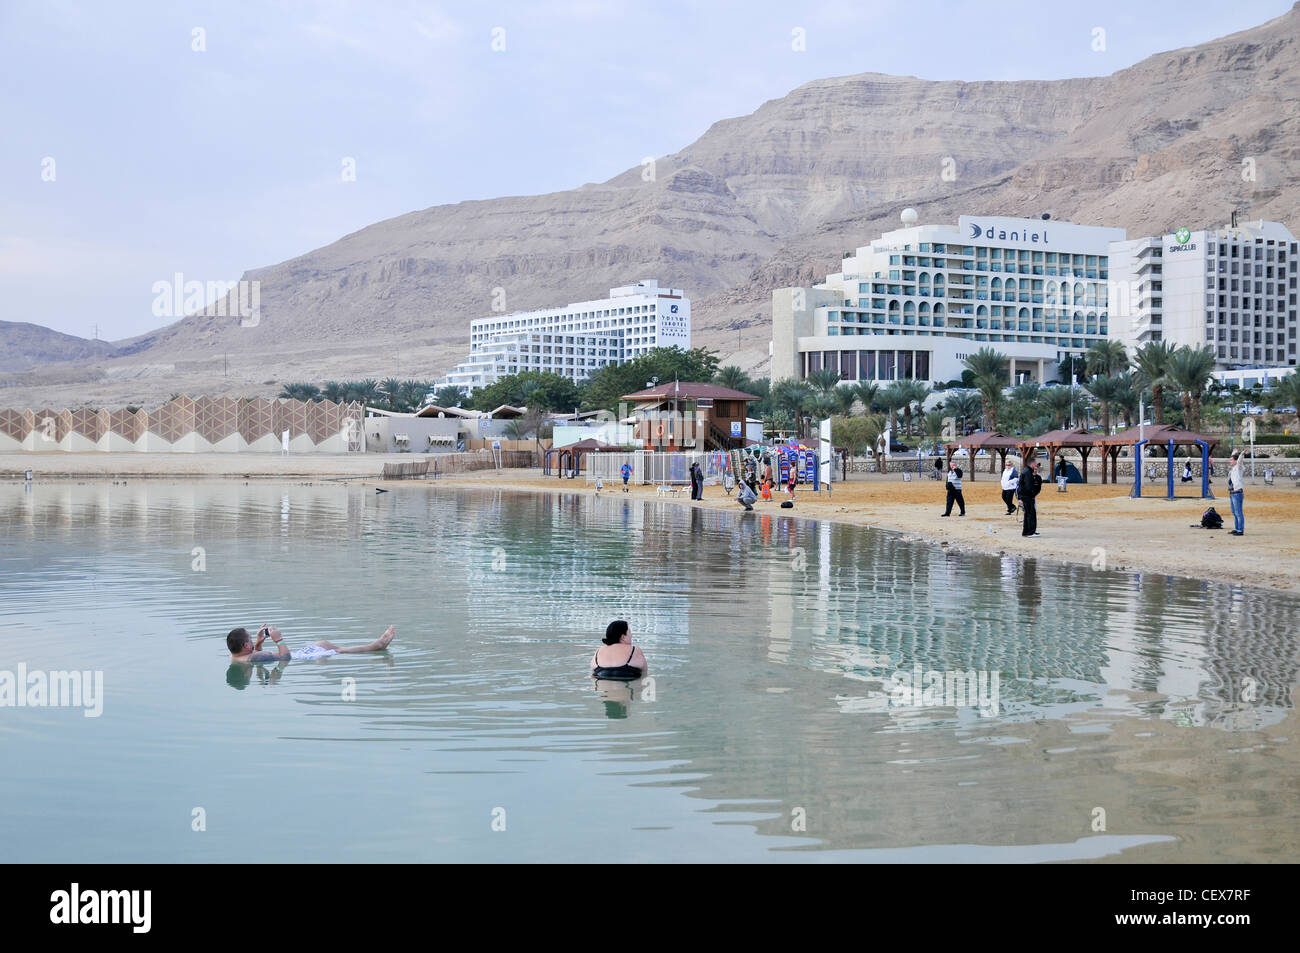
(1231, 288)
(577, 339)
(917, 301)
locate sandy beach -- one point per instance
(1091, 524)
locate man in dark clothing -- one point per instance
(954, 490)
(1030, 484)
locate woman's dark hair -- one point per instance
(237, 639)
(615, 631)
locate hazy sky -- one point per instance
(208, 162)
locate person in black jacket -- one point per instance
(954, 490)
(1030, 484)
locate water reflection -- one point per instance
(798, 664)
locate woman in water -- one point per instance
(618, 658)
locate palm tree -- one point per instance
(893, 399)
(991, 398)
(987, 362)
(334, 392)
(1106, 357)
(875, 431)
(963, 406)
(988, 367)
(1105, 388)
(793, 397)
(824, 380)
(845, 398)
(449, 396)
(1126, 400)
(304, 392)
(933, 425)
(1023, 404)
(1152, 363)
(1191, 370)
(732, 376)
(868, 392)
(391, 389)
(916, 393)
(1058, 401)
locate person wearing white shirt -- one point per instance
(1235, 495)
(1010, 478)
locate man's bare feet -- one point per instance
(387, 637)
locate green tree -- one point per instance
(305, 392)
(1105, 388)
(825, 380)
(964, 407)
(845, 397)
(544, 390)
(916, 392)
(733, 377)
(604, 388)
(1106, 357)
(1152, 363)
(1191, 370)
(868, 393)
(450, 396)
(1058, 402)
(891, 400)
(794, 398)
(989, 368)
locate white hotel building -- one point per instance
(577, 339)
(1232, 288)
(917, 301)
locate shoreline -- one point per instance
(1089, 525)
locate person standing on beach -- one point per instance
(1030, 485)
(1236, 494)
(625, 471)
(1009, 480)
(954, 490)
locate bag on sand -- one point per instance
(787, 505)
(1211, 519)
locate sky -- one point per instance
(140, 140)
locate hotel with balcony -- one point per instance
(917, 301)
(577, 339)
(1232, 288)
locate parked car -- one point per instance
(899, 448)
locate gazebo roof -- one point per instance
(987, 439)
(688, 390)
(1162, 434)
(1066, 437)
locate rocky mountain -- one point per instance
(758, 202)
(25, 346)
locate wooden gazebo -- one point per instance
(570, 458)
(993, 441)
(1168, 436)
(1054, 441)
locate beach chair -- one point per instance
(1268, 477)
(1295, 475)
(1151, 473)
(907, 477)
(728, 483)
(1061, 484)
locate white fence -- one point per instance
(661, 469)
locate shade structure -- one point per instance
(994, 441)
(1054, 441)
(1167, 436)
(572, 455)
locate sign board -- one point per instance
(496, 444)
(736, 426)
(704, 403)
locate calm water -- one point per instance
(775, 727)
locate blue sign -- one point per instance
(735, 428)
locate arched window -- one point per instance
(995, 292)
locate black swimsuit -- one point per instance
(625, 672)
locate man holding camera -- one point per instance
(243, 649)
